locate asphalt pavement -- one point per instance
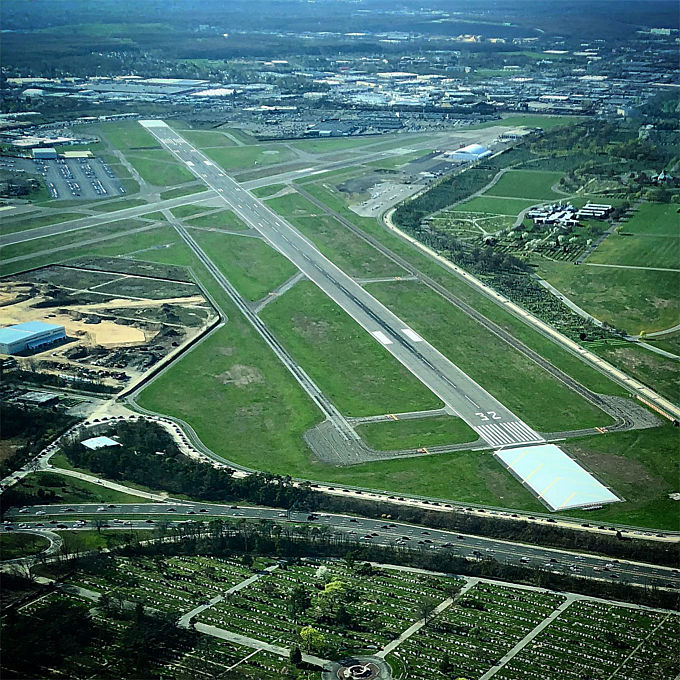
(376, 531)
(495, 423)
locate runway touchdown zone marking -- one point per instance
(381, 337)
(411, 335)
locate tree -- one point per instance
(313, 640)
(298, 601)
(426, 608)
(295, 655)
(445, 664)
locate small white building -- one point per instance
(99, 443)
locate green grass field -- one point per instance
(357, 374)
(204, 139)
(122, 245)
(119, 204)
(129, 134)
(11, 225)
(516, 381)
(188, 210)
(72, 490)
(414, 433)
(159, 168)
(494, 206)
(330, 145)
(220, 219)
(349, 252)
(656, 371)
(247, 157)
(182, 191)
(249, 263)
(638, 251)
(269, 190)
(630, 299)
(654, 218)
(642, 467)
(531, 184)
(21, 545)
(67, 238)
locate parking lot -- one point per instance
(70, 178)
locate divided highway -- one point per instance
(496, 424)
(376, 531)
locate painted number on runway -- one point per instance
(489, 415)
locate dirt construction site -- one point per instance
(118, 325)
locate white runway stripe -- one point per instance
(501, 434)
(411, 335)
(381, 337)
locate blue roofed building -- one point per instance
(29, 336)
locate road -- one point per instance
(492, 421)
(376, 531)
(644, 393)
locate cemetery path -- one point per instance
(529, 637)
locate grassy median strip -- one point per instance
(413, 433)
(359, 376)
(252, 266)
(516, 381)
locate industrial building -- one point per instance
(471, 152)
(29, 336)
(44, 153)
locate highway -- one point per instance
(376, 531)
(494, 423)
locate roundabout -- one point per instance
(358, 668)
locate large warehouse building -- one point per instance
(29, 336)
(472, 152)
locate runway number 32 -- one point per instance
(489, 415)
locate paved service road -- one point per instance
(496, 424)
(378, 531)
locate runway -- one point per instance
(496, 424)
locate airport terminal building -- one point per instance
(29, 336)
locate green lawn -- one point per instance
(415, 433)
(188, 210)
(269, 190)
(249, 263)
(630, 299)
(345, 249)
(20, 223)
(656, 371)
(67, 238)
(322, 146)
(129, 134)
(239, 398)
(21, 545)
(516, 381)
(655, 218)
(72, 490)
(357, 373)
(639, 251)
(203, 139)
(159, 168)
(182, 191)
(588, 376)
(532, 184)
(115, 246)
(221, 219)
(246, 157)
(494, 206)
(642, 467)
(118, 204)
